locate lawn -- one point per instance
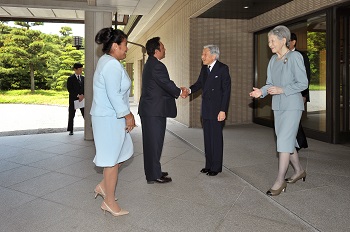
(316, 87)
(51, 97)
(39, 97)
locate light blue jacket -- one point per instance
(111, 89)
(289, 74)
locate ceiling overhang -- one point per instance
(71, 11)
(242, 9)
(137, 15)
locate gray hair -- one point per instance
(214, 50)
(281, 32)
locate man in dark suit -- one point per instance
(215, 82)
(75, 87)
(292, 47)
(301, 137)
(157, 102)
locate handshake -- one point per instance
(185, 92)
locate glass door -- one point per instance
(312, 41)
(344, 77)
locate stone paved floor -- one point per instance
(47, 182)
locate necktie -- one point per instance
(208, 70)
(79, 79)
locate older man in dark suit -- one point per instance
(75, 87)
(157, 102)
(215, 82)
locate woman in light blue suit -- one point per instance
(111, 117)
(286, 78)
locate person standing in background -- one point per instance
(293, 47)
(75, 87)
(301, 137)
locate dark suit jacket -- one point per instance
(305, 93)
(216, 90)
(74, 87)
(158, 91)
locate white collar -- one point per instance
(212, 65)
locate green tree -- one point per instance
(316, 42)
(51, 54)
(23, 52)
(4, 29)
(69, 56)
(35, 60)
(66, 37)
(28, 25)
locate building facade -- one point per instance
(185, 26)
(322, 27)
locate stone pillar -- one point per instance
(130, 70)
(94, 21)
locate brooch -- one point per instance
(285, 60)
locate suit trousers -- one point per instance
(153, 132)
(213, 144)
(71, 115)
(301, 138)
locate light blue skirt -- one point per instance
(113, 144)
(286, 129)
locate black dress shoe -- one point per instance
(71, 133)
(205, 170)
(164, 174)
(161, 180)
(211, 173)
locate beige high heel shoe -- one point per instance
(99, 191)
(105, 208)
(301, 176)
(276, 192)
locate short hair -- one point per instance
(281, 32)
(77, 65)
(107, 36)
(214, 50)
(152, 45)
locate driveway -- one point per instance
(16, 119)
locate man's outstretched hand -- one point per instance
(185, 92)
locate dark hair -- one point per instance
(152, 45)
(77, 65)
(293, 36)
(107, 36)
